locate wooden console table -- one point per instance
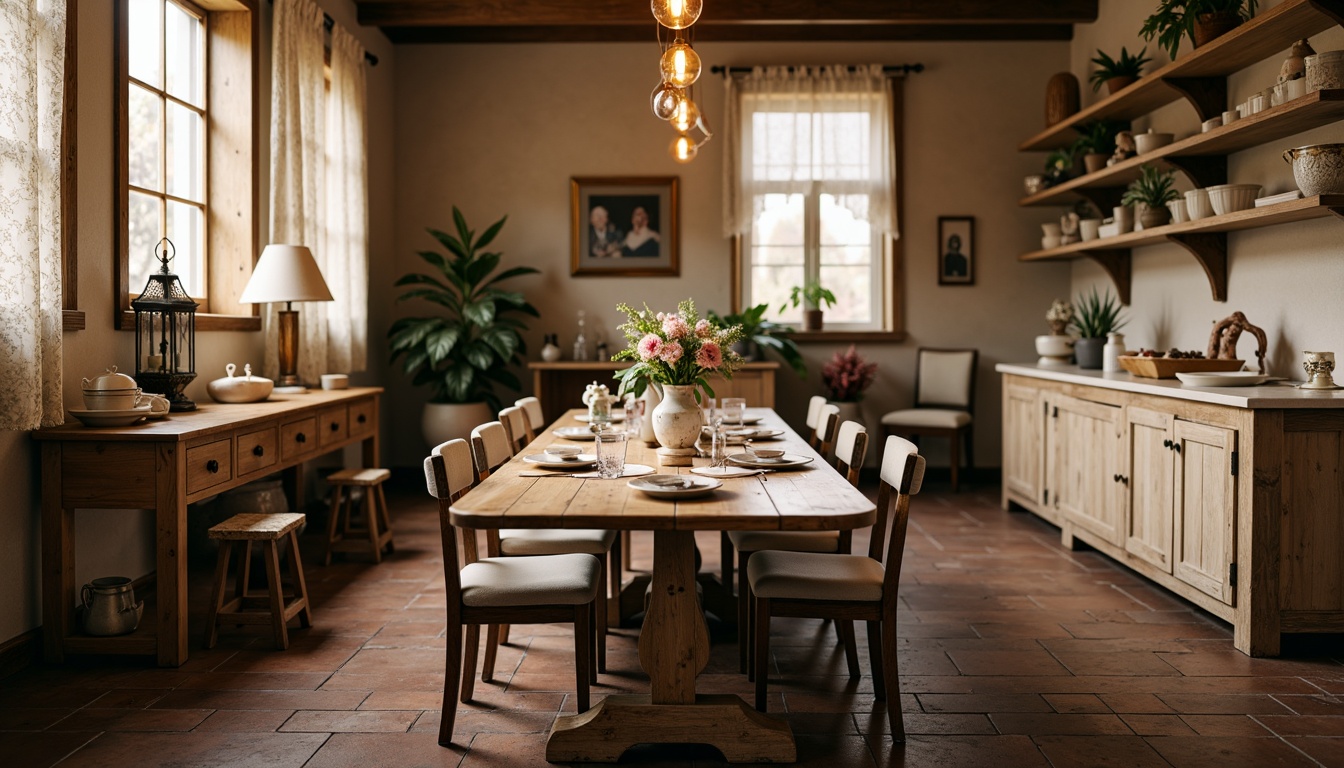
(164, 466)
(559, 386)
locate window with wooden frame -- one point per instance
(186, 135)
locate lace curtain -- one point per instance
(32, 75)
(318, 196)
(791, 127)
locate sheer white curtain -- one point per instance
(788, 127)
(32, 72)
(318, 180)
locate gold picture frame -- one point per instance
(624, 226)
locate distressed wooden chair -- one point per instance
(536, 418)
(515, 426)
(944, 403)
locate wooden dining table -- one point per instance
(674, 640)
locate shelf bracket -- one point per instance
(1210, 250)
(1203, 170)
(1103, 198)
(1208, 95)
(1116, 262)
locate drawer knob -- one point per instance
(1166, 444)
(212, 466)
(335, 426)
(361, 418)
(300, 438)
(258, 451)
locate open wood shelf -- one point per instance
(1201, 156)
(1199, 75)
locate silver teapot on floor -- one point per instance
(110, 607)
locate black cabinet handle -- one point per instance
(1115, 478)
(1176, 447)
(361, 418)
(212, 466)
(1166, 444)
(335, 426)
(258, 451)
(300, 438)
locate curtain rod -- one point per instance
(328, 23)
(890, 69)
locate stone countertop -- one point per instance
(1281, 394)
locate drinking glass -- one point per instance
(610, 454)
(707, 407)
(634, 416)
(734, 410)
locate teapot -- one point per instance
(110, 607)
(239, 389)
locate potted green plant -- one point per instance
(757, 332)
(1058, 165)
(1096, 143)
(465, 348)
(812, 296)
(1152, 190)
(1094, 317)
(1119, 72)
(1200, 20)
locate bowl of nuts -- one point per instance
(1152, 364)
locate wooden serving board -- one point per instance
(1167, 367)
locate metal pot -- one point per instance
(1318, 169)
(110, 607)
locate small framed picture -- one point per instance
(956, 250)
(624, 226)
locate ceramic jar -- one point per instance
(677, 419)
(1318, 169)
(550, 350)
(651, 397)
(1325, 71)
(1110, 354)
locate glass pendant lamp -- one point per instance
(680, 64)
(683, 148)
(676, 14)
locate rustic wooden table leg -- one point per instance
(170, 517)
(58, 558)
(673, 648)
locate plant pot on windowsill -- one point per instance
(1210, 26)
(812, 319)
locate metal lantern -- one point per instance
(165, 334)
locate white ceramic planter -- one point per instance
(442, 422)
(651, 399)
(1054, 350)
(677, 419)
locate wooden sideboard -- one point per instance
(1229, 497)
(164, 466)
(560, 385)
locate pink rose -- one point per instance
(703, 330)
(670, 353)
(675, 327)
(649, 347)
(709, 356)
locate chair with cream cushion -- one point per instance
(536, 418)
(490, 451)
(515, 425)
(522, 590)
(837, 586)
(814, 406)
(944, 403)
(850, 448)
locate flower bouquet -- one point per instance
(847, 375)
(677, 349)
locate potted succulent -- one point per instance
(1057, 347)
(1119, 72)
(845, 377)
(1094, 317)
(812, 296)
(1153, 189)
(1096, 143)
(466, 347)
(1200, 20)
(758, 332)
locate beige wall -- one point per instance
(500, 129)
(1286, 279)
(121, 542)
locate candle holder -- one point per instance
(1319, 366)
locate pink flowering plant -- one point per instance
(847, 375)
(676, 348)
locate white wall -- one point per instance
(500, 129)
(1286, 279)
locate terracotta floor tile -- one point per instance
(1034, 663)
(172, 750)
(1158, 725)
(1139, 703)
(1223, 704)
(15, 719)
(1034, 723)
(1231, 663)
(1311, 725)
(234, 720)
(1225, 725)
(363, 750)
(127, 698)
(1006, 702)
(512, 721)
(379, 721)
(1127, 664)
(1076, 703)
(38, 750)
(261, 700)
(1313, 705)
(252, 681)
(1204, 752)
(1328, 752)
(1099, 751)
(92, 719)
(957, 752)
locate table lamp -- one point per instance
(287, 273)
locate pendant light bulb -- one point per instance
(665, 101)
(683, 149)
(676, 14)
(680, 64)
(686, 116)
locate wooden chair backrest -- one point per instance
(902, 476)
(945, 378)
(449, 474)
(515, 426)
(851, 446)
(489, 448)
(828, 425)
(536, 419)
(814, 406)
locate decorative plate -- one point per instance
(726, 471)
(545, 461)
(675, 486)
(1230, 379)
(787, 461)
(123, 418)
(574, 433)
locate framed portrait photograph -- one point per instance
(956, 250)
(624, 226)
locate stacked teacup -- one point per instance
(118, 392)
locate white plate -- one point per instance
(574, 433)
(726, 471)
(542, 460)
(787, 461)
(616, 416)
(675, 486)
(119, 418)
(1233, 379)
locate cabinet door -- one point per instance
(1085, 448)
(1206, 505)
(1148, 521)
(1023, 441)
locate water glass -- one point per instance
(707, 407)
(610, 454)
(634, 416)
(734, 410)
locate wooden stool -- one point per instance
(243, 608)
(339, 530)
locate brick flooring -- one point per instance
(1014, 652)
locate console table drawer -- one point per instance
(332, 426)
(256, 450)
(297, 438)
(209, 465)
(362, 417)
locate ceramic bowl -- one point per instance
(111, 399)
(1318, 169)
(1178, 212)
(1230, 198)
(1325, 70)
(1211, 123)
(239, 389)
(1147, 142)
(767, 453)
(1197, 205)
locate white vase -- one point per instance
(677, 419)
(651, 398)
(1054, 349)
(1110, 354)
(442, 422)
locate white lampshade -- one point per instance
(286, 273)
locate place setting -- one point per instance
(607, 462)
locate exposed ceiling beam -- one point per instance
(775, 32)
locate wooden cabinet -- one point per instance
(1023, 440)
(1081, 465)
(1205, 494)
(1149, 519)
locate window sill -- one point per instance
(822, 337)
(207, 322)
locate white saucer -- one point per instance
(574, 433)
(726, 471)
(616, 416)
(543, 460)
(1227, 379)
(787, 461)
(117, 418)
(675, 486)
